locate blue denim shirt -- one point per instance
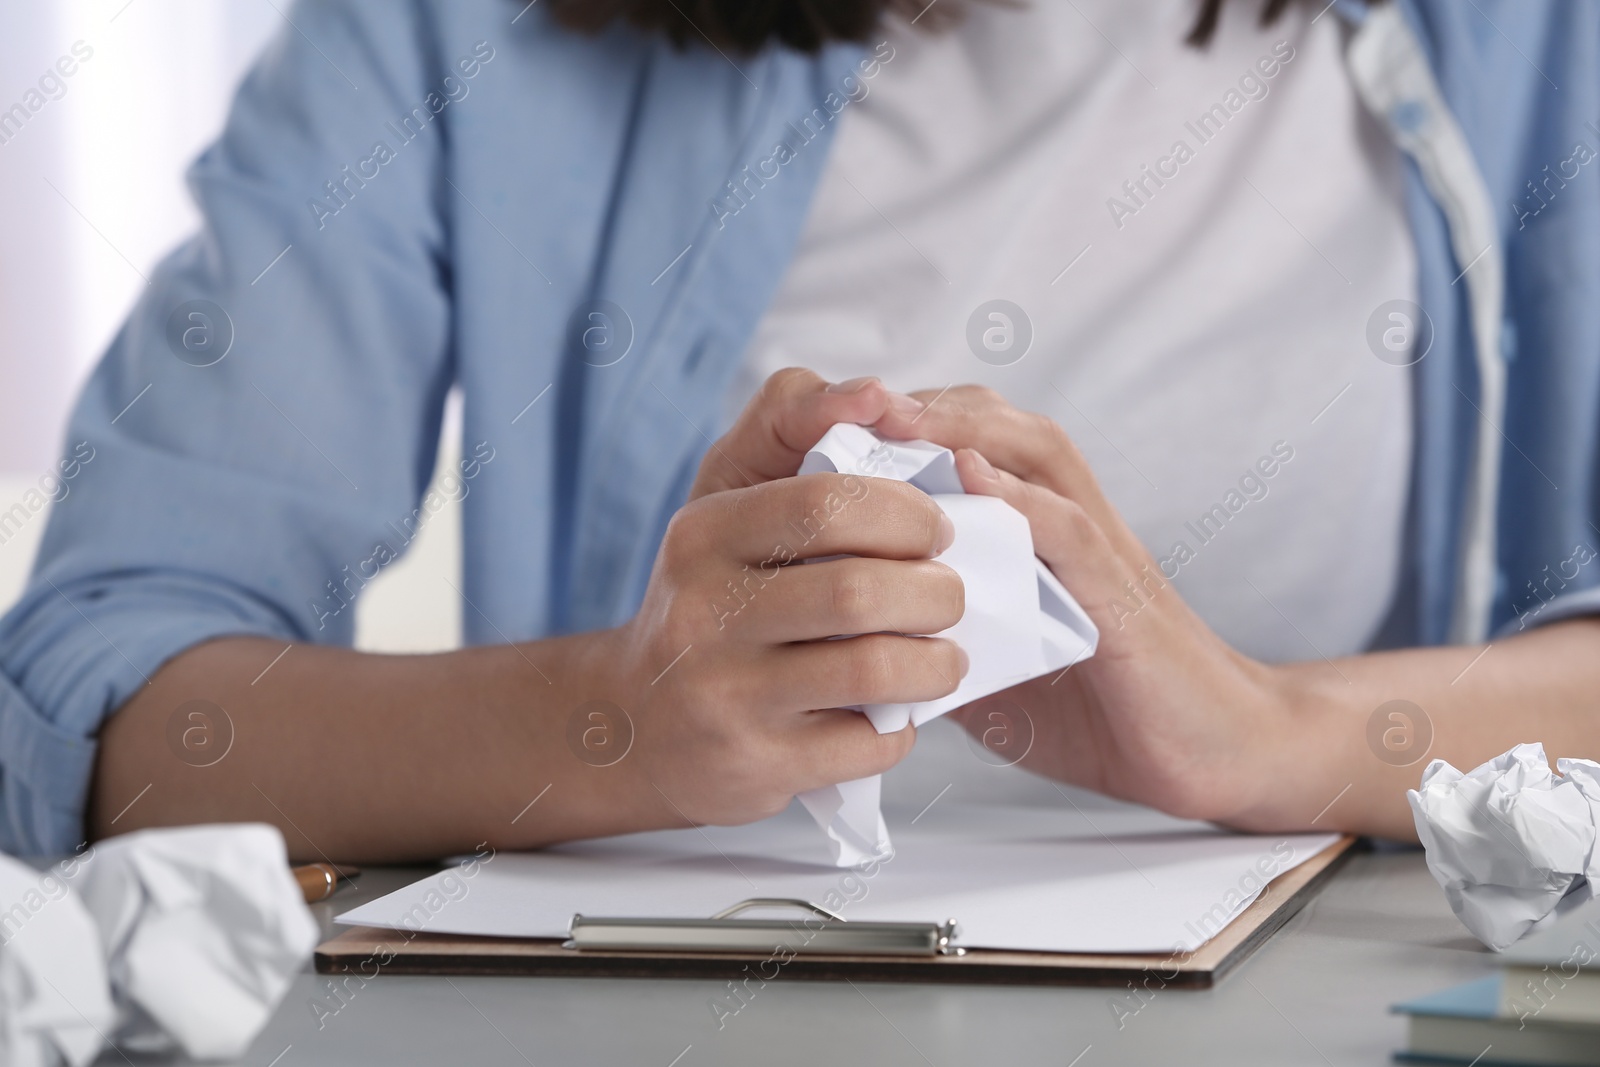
(411, 195)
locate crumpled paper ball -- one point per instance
(203, 929)
(1509, 840)
(55, 1006)
(185, 938)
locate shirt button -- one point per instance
(1508, 339)
(1407, 116)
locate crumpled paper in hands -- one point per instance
(1020, 622)
(55, 1006)
(1509, 840)
(183, 938)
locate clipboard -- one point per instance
(724, 947)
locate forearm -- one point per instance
(732, 704)
(371, 758)
(1324, 769)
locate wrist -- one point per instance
(1293, 760)
(591, 725)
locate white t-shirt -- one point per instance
(1197, 240)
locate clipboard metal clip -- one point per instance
(821, 932)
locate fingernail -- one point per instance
(901, 404)
(963, 659)
(947, 534)
(982, 466)
(854, 385)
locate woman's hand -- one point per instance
(735, 691)
(1165, 713)
(734, 702)
(783, 421)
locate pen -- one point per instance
(319, 881)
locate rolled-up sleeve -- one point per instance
(265, 417)
(1578, 604)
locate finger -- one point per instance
(1065, 536)
(871, 669)
(836, 745)
(815, 515)
(794, 408)
(846, 596)
(1030, 445)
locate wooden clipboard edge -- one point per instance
(365, 952)
(1279, 902)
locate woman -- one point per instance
(1276, 280)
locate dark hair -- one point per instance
(750, 25)
(805, 25)
(1205, 24)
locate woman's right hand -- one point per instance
(736, 695)
(734, 698)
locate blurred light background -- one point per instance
(92, 197)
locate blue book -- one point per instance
(1461, 1025)
(1554, 973)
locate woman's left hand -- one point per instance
(1165, 713)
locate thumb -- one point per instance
(794, 408)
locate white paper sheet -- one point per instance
(1019, 623)
(1119, 879)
